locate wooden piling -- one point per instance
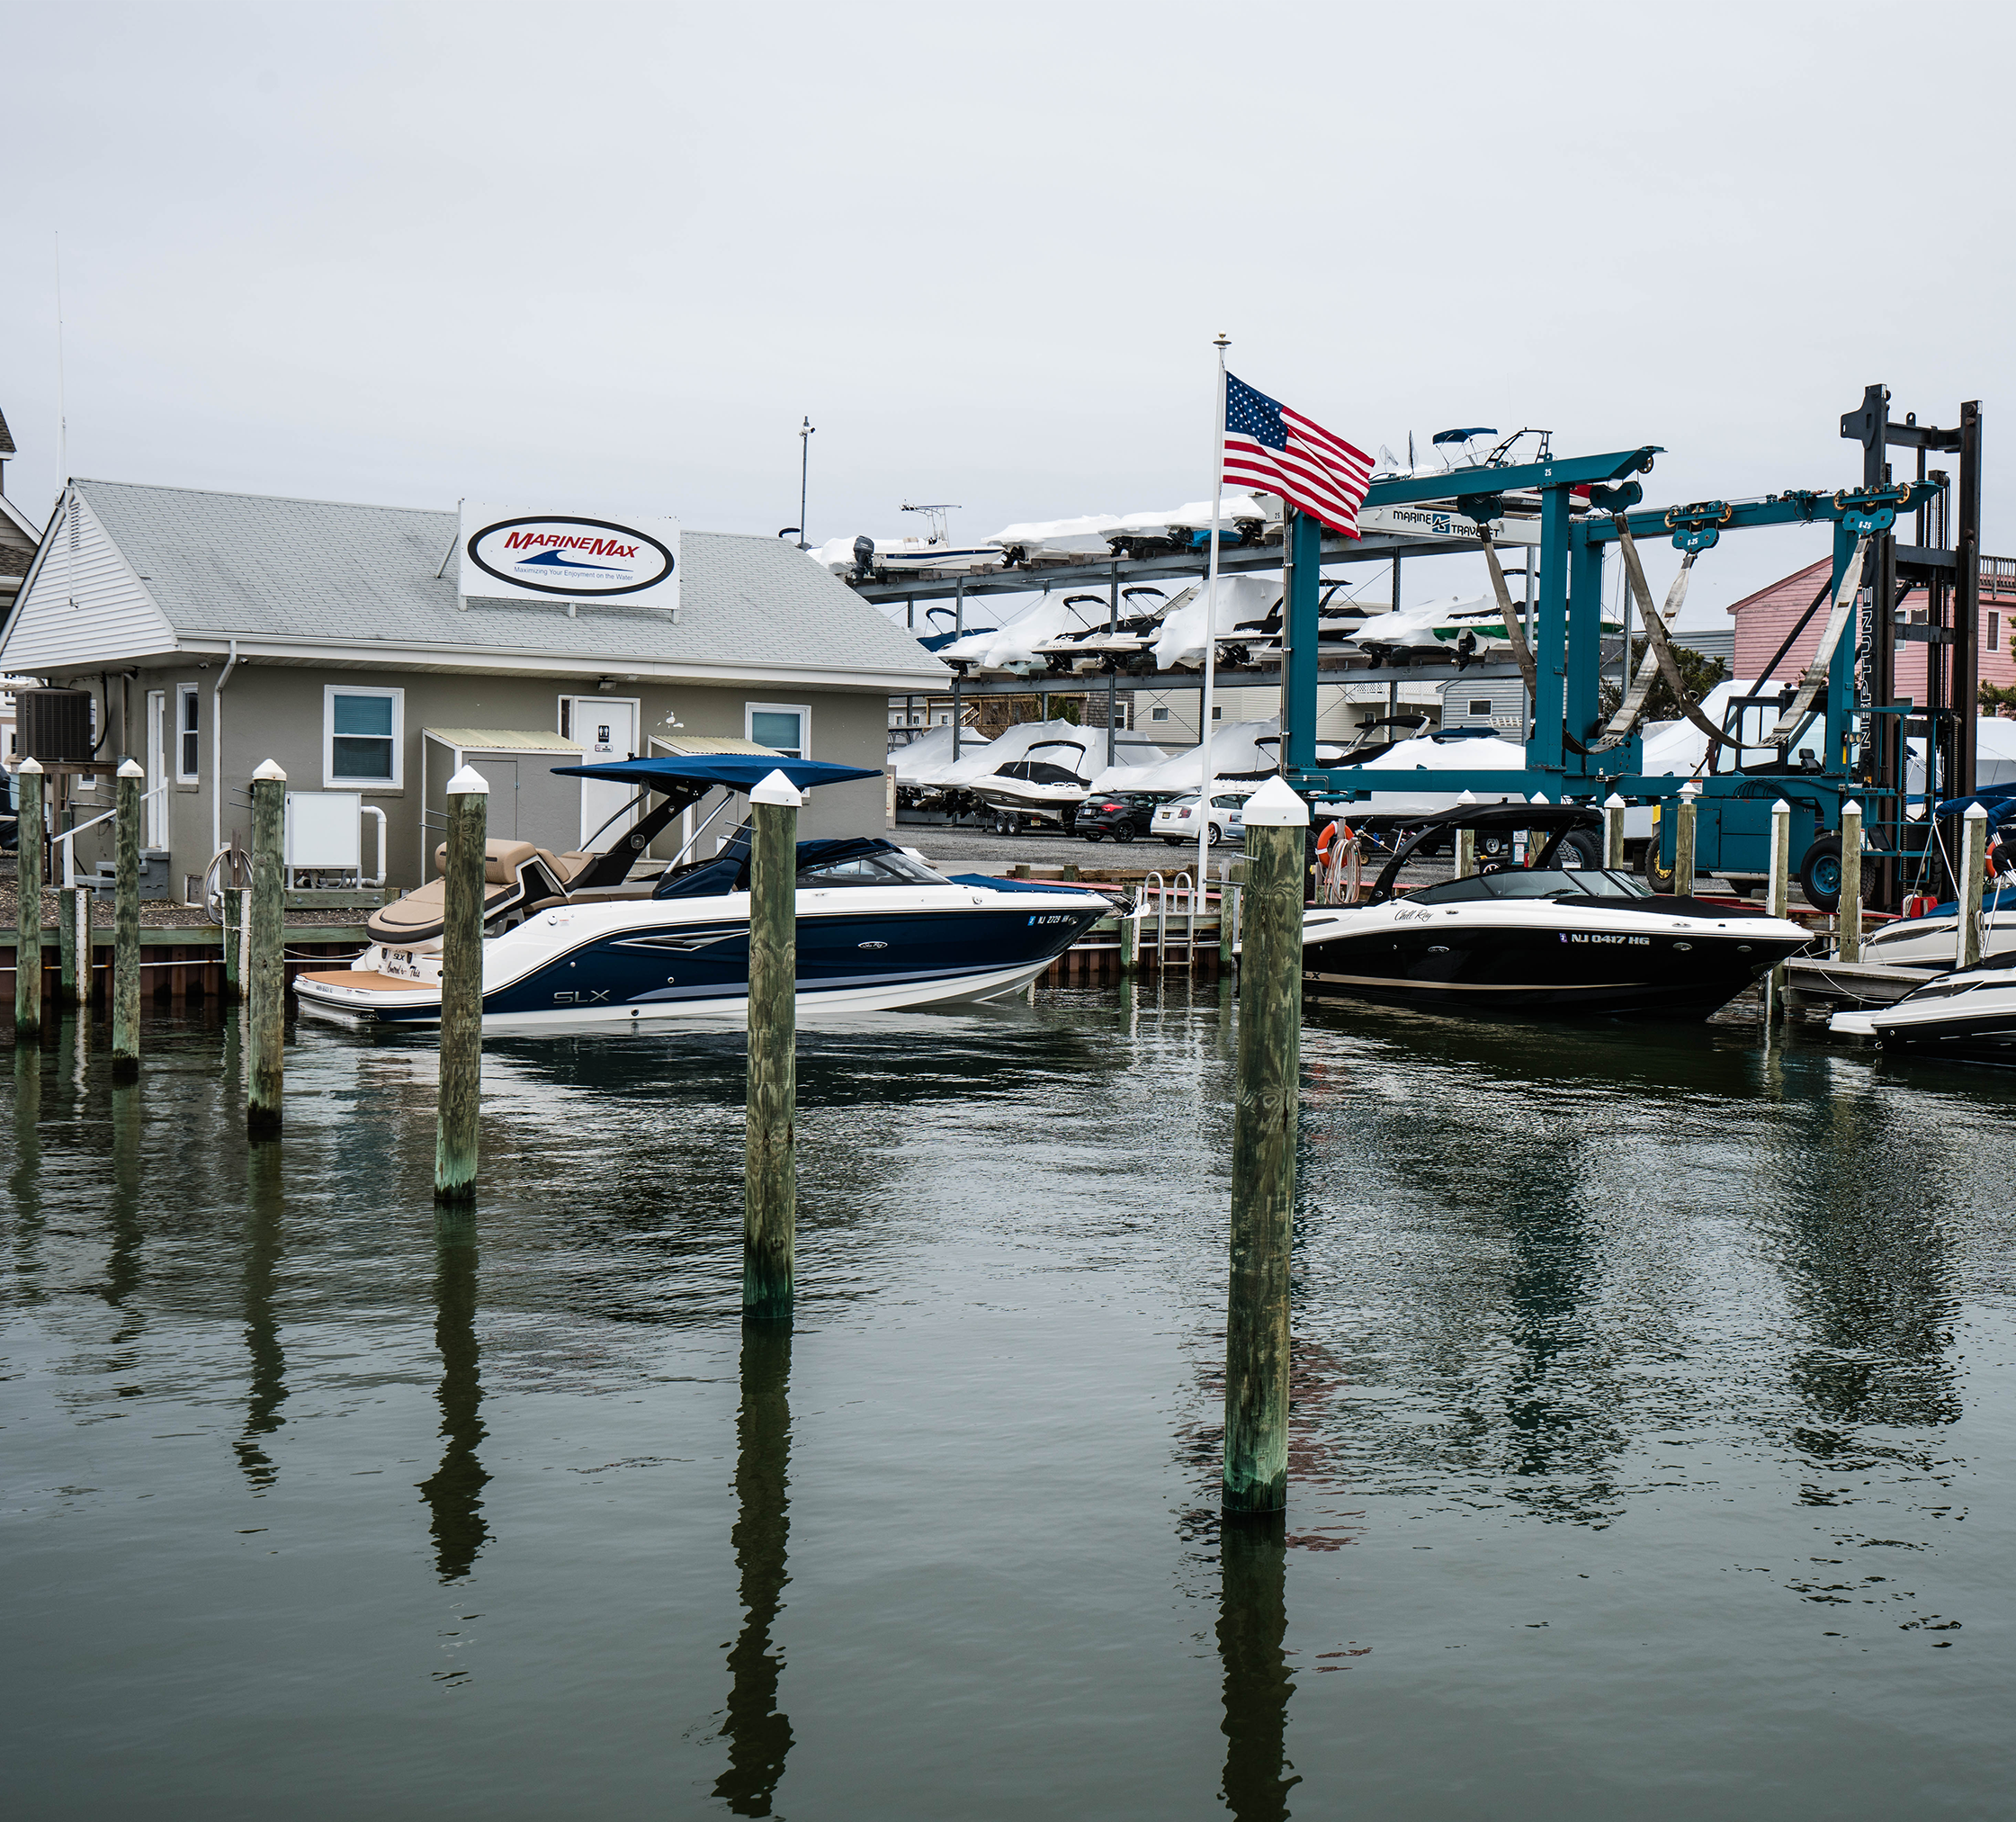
(461, 990)
(1848, 906)
(1130, 943)
(237, 908)
(1683, 841)
(268, 970)
(1778, 899)
(28, 905)
(770, 1162)
(1613, 832)
(1974, 878)
(126, 924)
(1466, 853)
(67, 898)
(1270, 1073)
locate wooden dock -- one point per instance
(186, 962)
(1819, 983)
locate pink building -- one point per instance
(1764, 618)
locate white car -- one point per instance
(1175, 821)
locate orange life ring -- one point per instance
(1331, 832)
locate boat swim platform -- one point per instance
(1817, 983)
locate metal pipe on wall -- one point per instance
(217, 750)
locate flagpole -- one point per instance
(1204, 792)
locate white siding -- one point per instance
(84, 606)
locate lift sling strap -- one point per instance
(1649, 668)
(1510, 612)
(1814, 678)
(1655, 628)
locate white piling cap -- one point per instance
(132, 768)
(1781, 808)
(32, 767)
(1691, 789)
(1973, 811)
(1537, 797)
(1613, 802)
(1851, 808)
(468, 783)
(1466, 798)
(1274, 805)
(271, 772)
(778, 789)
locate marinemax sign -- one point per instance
(533, 556)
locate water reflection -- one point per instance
(25, 1179)
(455, 1491)
(758, 1736)
(122, 1258)
(1252, 1623)
(267, 1389)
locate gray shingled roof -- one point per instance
(252, 566)
(6, 436)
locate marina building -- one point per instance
(361, 648)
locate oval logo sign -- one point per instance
(581, 558)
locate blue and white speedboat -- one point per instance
(878, 930)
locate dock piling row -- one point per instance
(268, 982)
(28, 905)
(770, 1162)
(125, 925)
(1683, 841)
(1974, 879)
(461, 990)
(1268, 1089)
(1848, 912)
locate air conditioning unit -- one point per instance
(54, 723)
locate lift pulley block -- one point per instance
(1620, 497)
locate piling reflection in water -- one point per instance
(455, 1491)
(25, 1179)
(1252, 1625)
(758, 1737)
(122, 1256)
(267, 1389)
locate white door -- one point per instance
(157, 767)
(606, 728)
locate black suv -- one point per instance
(1122, 814)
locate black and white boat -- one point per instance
(1549, 937)
(878, 930)
(1046, 785)
(1969, 1015)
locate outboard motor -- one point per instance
(864, 558)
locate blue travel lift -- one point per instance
(1829, 748)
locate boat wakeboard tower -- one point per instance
(877, 928)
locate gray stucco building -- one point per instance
(218, 630)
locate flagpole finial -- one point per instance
(1223, 341)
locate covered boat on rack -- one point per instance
(878, 930)
(1559, 936)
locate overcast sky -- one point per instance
(608, 256)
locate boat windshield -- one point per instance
(891, 866)
(1548, 882)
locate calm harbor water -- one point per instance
(1652, 1432)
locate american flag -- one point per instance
(1278, 451)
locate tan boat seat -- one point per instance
(566, 868)
(418, 914)
(501, 860)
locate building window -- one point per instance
(1217, 712)
(1161, 714)
(362, 733)
(785, 726)
(1995, 633)
(1479, 708)
(189, 732)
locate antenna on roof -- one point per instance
(450, 551)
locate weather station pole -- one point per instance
(805, 435)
